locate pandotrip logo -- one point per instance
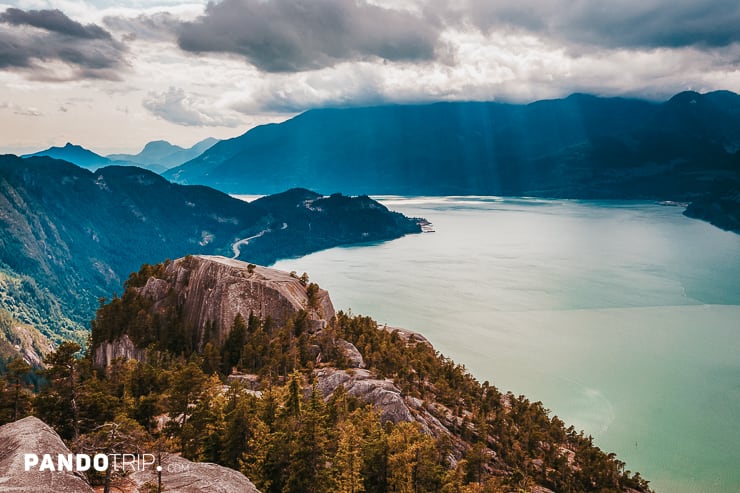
(85, 462)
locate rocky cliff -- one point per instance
(122, 347)
(32, 436)
(208, 292)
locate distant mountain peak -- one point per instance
(75, 154)
(686, 97)
(159, 146)
(160, 155)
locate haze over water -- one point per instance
(623, 318)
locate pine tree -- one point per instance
(203, 432)
(18, 399)
(414, 464)
(186, 386)
(293, 400)
(57, 404)
(254, 459)
(211, 359)
(348, 461)
(234, 343)
(240, 415)
(307, 471)
(374, 449)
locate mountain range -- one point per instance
(76, 154)
(160, 155)
(581, 147)
(70, 236)
(157, 156)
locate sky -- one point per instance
(114, 75)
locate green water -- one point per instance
(623, 318)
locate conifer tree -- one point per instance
(186, 386)
(293, 399)
(307, 472)
(58, 403)
(203, 432)
(16, 398)
(240, 416)
(234, 343)
(348, 461)
(211, 359)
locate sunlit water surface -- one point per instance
(623, 318)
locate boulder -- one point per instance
(180, 475)
(406, 335)
(351, 353)
(32, 436)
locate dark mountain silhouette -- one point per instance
(70, 236)
(72, 153)
(578, 147)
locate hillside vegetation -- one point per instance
(280, 428)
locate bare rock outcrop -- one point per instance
(215, 289)
(354, 357)
(382, 394)
(212, 289)
(408, 336)
(32, 436)
(180, 475)
(123, 347)
(389, 401)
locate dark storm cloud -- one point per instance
(664, 24)
(54, 21)
(292, 35)
(27, 38)
(624, 24)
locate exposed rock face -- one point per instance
(213, 289)
(382, 394)
(246, 380)
(182, 476)
(387, 399)
(32, 436)
(409, 336)
(123, 347)
(353, 355)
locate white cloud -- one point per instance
(176, 106)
